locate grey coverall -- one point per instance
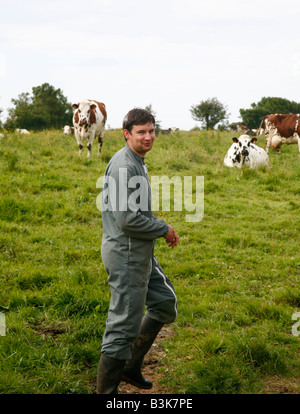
(135, 277)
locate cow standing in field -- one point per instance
(243, 151)
(68, 130)
(238, 128)
(174, 129)
(281, 129)
(89, 122)
(163, 131)
(167, 131)
(251, 132)
(242, 128)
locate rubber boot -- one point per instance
(109, 374)
(132, 372)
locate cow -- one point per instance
(68, 130)
(166, 131)
(281, 129)
(251, 132)
(22, 131)
(163, 131)
(89, 120)
(259, 132)
(239, 128)
(174, 129)
(242, 128)
(243, 152)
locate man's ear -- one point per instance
(126, 134)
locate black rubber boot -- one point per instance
(109, 374)
(132, 372)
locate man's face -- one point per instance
(141, 138)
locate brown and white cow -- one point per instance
(68, 130)
(242, 128)
(89, 122)
(281, 129)
(239, 128)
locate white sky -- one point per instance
(168, 53)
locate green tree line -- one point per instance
(47, 107)
(212, 112)
(252, 117)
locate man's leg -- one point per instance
(132, 373)
(123, 323)
(161, 305)
(109, 374)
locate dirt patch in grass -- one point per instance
(54, 330)
(277, 385)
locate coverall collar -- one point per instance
(136, 156)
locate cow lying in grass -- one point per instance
(243, 151)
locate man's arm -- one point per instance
(137, 225)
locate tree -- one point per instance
(46, 108)
(252, 117)
(20, 115)
(150, 109)
(1, 126)
(209, 112)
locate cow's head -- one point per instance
(242, 147)
(84, 110)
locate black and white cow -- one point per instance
(243, 151)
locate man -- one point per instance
(135, 277)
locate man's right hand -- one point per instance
(172, 237)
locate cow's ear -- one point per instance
(75, 106)
(253, 140)
(92, 106)
(234, 139)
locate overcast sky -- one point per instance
(168, 53)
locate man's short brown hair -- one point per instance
(137, 116)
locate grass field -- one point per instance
(236, 273)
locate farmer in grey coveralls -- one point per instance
(136, 279)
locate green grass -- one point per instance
(236, 272)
